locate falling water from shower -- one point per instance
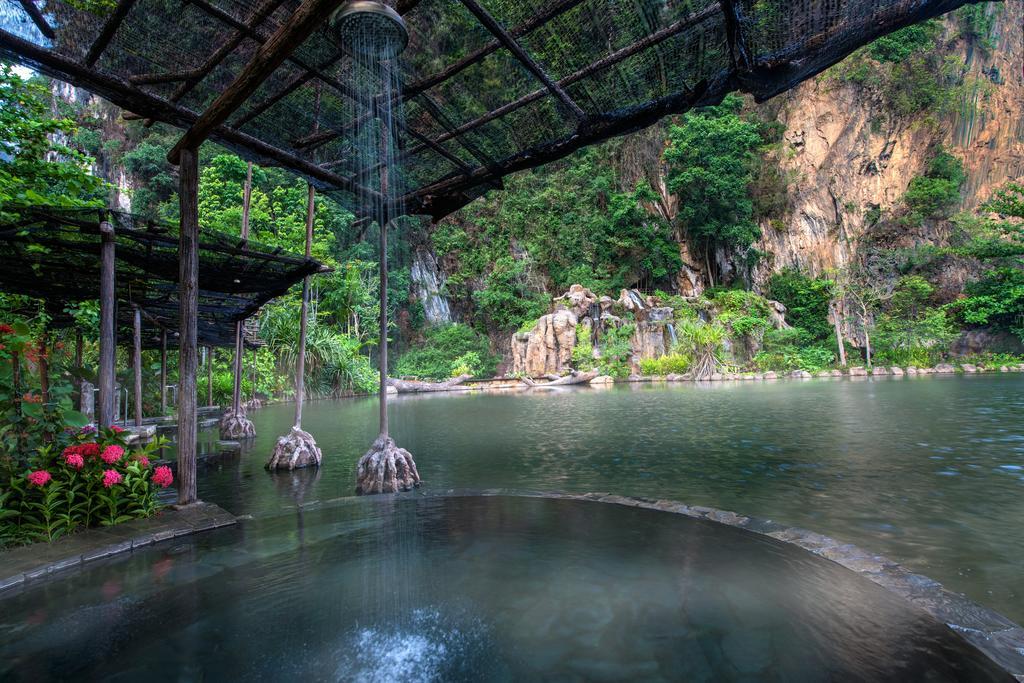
(374, 35)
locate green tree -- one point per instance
(711, 157)
(36, 169)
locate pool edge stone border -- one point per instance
(996, 636)
(23, 565)
(999, 638)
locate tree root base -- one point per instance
(386, 468)
(295, 450)
(234, 427)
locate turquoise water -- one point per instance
(929, 470)
(471, 589)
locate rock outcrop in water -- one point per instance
(547, 348)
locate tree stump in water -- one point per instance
(386, 468)
(294, 450)
(236, 426)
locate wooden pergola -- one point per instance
(490, 86)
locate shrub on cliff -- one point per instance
(448, 351)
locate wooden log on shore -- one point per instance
(574, 377)
(404, 386)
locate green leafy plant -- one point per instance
(448, 351)
(669, 364)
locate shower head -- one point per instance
(371, 28)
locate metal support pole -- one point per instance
(137, 364)
(300, 370)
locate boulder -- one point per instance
(879, 370)
(968, 368)
(649, 339)
(547, 348)
(911, 370)
(1003, 368)
(603, 379)
(824, 373)
(858, 371)
(836, 373)
(579, 300)
(944, 369)
(716, 377)
(770, 375)
(897, 371)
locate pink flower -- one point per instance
(6, 329)
(87, 429)
(39, 477)
(111, 454)
(89, 450)
(111, 478)
(162, 476)
(116, 429)
(74, 460)
(142, 460)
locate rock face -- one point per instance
(427, 282)
(547, 348)
(579, 300)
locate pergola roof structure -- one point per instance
(53, 254)
(491, 86)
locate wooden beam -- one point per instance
(125, 95)
(188, 297)
(225, 48)
(300, 363)
(478, 55)
(108, 312)
(524, 58)
(137, 362)
(110, 27)
(589, 70)
(38, 19)
(268, 58)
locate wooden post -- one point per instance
(163, 372)
(209, 375)
(188, 277)
(137, 363)
(108, 349)
(44, 365)
(300, 370)
(78, 365)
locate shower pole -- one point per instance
(382, 221)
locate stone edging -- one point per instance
(1000, 639)
(20, 566)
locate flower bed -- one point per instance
(87, 479)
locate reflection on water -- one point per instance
(925, 470)
(476, 588)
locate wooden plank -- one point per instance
(267, 59)
(108, 313)
(188, 277)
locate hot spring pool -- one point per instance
(471, 588)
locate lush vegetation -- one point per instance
(448, 351)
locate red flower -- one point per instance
(6, 329)
(162, 476)
(39, 477)
(111, 478)
(142, 460)
(74, 460)
(32, 398)
(116, 429)
(111, 454)
(89, 450)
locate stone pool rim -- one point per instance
(997, 637)
(994, 635)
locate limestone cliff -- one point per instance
(847, 152)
